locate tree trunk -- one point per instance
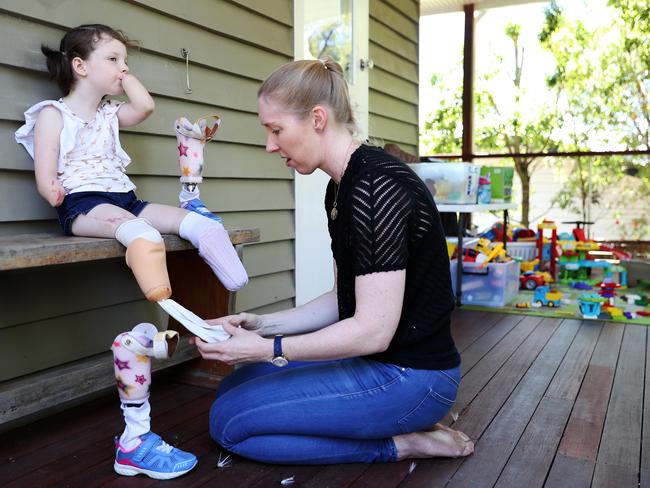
(525, 199)
(521, 166)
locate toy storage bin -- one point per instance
(524, 250)
(495, 286)
(450, 182)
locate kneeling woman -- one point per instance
(365, 372)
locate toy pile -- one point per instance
(584, 278)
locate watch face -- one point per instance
(279, 361)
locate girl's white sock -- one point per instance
(138, 422)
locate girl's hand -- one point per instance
(243, 347)
(248, 321)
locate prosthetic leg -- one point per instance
(191, 138)
(138, 450)
(145, 255)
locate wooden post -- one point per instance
(468, 85)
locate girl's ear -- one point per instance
(78, 66)
(319, 117)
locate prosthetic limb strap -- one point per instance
(163, 345)
(193, 323)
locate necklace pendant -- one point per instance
(334, 213)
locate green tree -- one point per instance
(514, 129)
(602, 80)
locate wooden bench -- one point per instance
(193, 284)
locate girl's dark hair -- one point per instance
(80, 42)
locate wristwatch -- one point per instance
(278, 358)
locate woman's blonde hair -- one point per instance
(301, 85)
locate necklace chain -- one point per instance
(335, 212)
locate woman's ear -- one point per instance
(319, 117)
(78, 66)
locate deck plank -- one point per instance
(100, 452)
(533, 456)
(548, 390)
(583, 431)
(103, 422)
(645, 438)
(483, 468)
(619, 455)
(478, 415)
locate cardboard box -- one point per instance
(450, 182)
(500, 182)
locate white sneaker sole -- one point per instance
(126, 470)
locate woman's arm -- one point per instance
(47, 132)
(140, 104)
(314, 315)
(379, 299)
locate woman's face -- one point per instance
(291, 137)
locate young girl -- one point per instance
(80, 170)
(80, 164)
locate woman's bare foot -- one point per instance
(448, 429)
(439, 441)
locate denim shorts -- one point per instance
(80, 203)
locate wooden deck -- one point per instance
(550, 402)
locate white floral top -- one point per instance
(90, 155)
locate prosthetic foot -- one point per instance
(138, 450)
(191, 139)
(147, 261)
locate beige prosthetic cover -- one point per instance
(148, 263)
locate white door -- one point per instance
(338, 28)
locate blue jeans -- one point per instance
(330, 412)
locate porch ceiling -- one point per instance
(429, 7)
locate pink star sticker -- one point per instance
(121, 364)
(122, 386)
(182, 150)
(139, 378)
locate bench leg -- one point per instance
(197, 289)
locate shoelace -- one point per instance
(164, 447)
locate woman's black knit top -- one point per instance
(387, 221)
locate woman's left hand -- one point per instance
(243, 346)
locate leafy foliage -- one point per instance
(601, 85)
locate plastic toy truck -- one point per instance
(544, 296)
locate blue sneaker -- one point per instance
(153, 457)
(196, 205)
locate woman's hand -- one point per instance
(243, 346)
(248, 321)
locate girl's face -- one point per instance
(106, 66)
(291, 137)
